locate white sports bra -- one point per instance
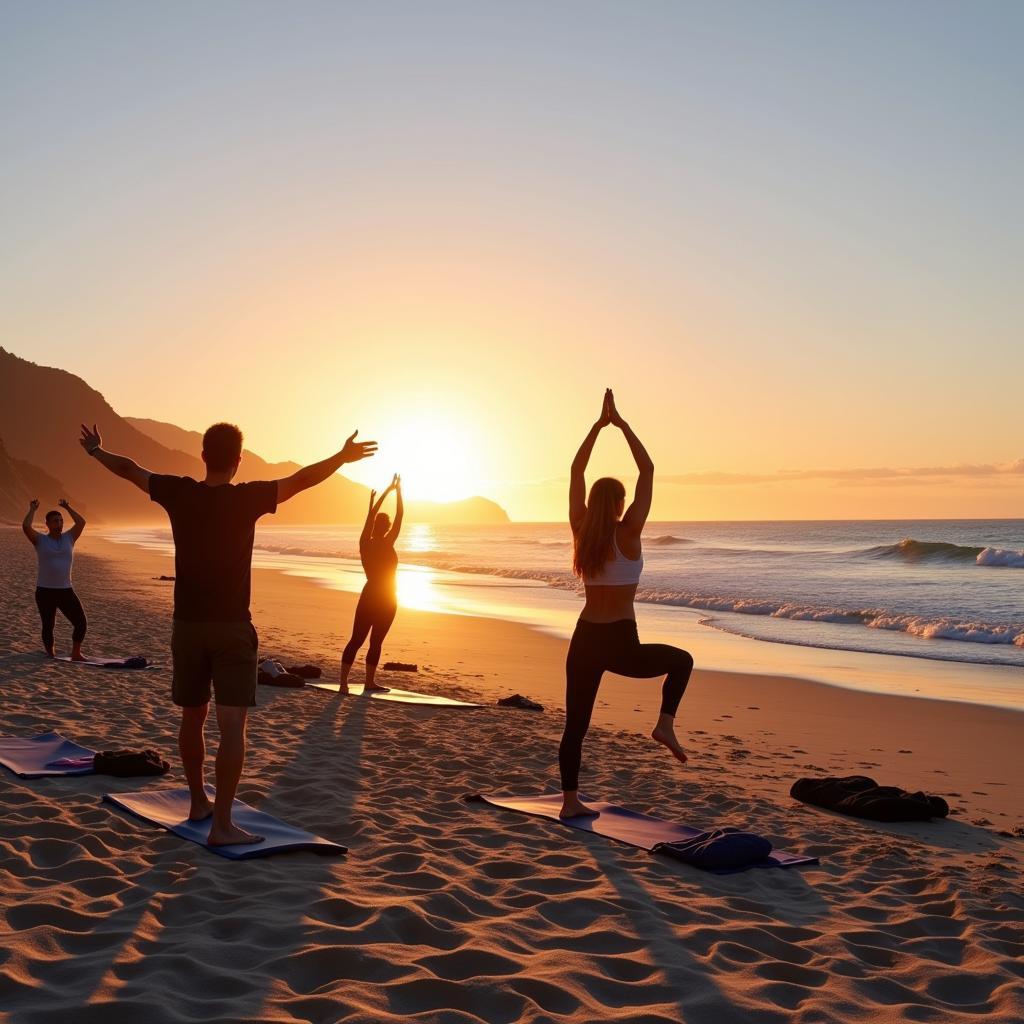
(618, 571)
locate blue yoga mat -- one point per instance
(28, 756)
(625, 826)
(168, 809)
(398, 696)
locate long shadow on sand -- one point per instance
(255, 908)
(942, 833)
(657, 924)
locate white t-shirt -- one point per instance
(55, 558)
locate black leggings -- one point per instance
(599, 647)
(374, 614)
(51, 599)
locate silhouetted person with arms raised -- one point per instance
(55, 552)
(213, 640)
(378, 603)
(607, 556)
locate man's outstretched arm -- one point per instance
(310, 476)
(119, 465)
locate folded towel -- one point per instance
(722, 849)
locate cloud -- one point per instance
(881, 474)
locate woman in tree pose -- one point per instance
(54, 592)
(378, 602)
(607, 556)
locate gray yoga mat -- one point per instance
(398, 696)
(168, 809)
(622, 824)
(28, 756)
(106, 663)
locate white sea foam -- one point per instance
(1003, 557)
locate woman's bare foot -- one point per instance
(231, 836)
(200, 809)
(572, 807)
(665, 734)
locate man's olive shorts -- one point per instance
(223, 653)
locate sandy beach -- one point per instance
(444, 911)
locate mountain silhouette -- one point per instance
(42, 407)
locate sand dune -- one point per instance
(444, 911)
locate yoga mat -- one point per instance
(623, 825)
(28, 756)
(168, 809)
(399, 696)
(105, 663)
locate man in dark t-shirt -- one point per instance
(213, 640)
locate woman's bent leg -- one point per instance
(645, 661)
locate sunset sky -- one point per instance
(789, 235)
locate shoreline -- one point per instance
(553, 610)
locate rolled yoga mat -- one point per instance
(30, 756)
(625, 826)
(168, 809)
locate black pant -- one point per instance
(51, 599)
(375, 612)
(599, 647)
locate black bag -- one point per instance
(128, 763)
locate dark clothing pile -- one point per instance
(862, 797)
(517, 700)
(399, 666)
(306, 671)
(128, 763)
(286, 679)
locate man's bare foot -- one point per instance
(572, 807)
(375, 688)
(50, 653)
(343, 689)
(666, 736)
(231, 836)
(78, 657)
(200, 809)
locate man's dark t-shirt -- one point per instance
(213, 531)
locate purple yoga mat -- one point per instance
(623, 825)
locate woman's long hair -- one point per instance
(592, 544)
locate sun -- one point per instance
(438, 459)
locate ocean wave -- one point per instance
(910, 550)
(667, 541)
(1004, 557)
(927, 627)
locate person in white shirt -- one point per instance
(54, 592)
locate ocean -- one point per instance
(944, 590)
